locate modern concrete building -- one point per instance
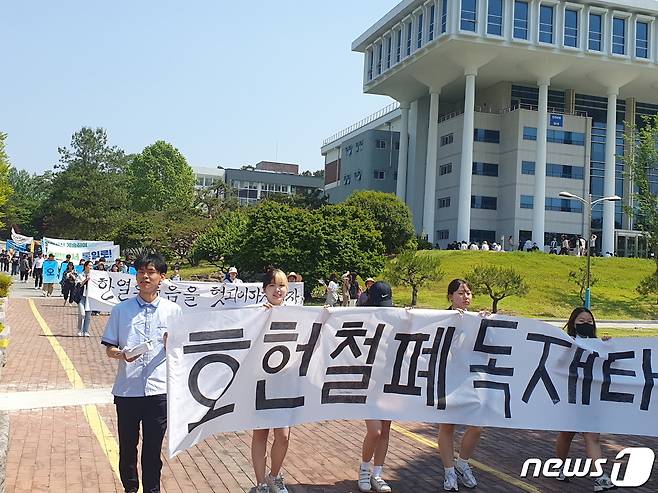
(255, 183)
(502, 104)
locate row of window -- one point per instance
(573, 18)
(377, 175)
(556, 136)
(479, 135)
(421, 28)
(477, 202)
(555, 170)
(553, 204)
(379, 144)
(407, 38)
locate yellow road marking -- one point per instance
(96, 423)
(478, 465)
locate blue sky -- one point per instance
(228, 83)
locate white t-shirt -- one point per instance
(332, 293)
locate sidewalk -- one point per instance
(69, 443)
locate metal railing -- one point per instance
(490, 110)
(369, 119)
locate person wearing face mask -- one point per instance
(581, 324)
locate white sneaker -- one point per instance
(465, 474)
(364, 480)
(262, 488)
(87, 334)
(450, 481)
(379, 485)
(603, 483)
(276, 483)
(80, 334)
(562, 477)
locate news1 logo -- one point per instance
(636, 473)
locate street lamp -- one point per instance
(587, 202)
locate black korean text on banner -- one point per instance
(255, 367)
(106, 289)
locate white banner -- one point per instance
(261, 368)
(21, 239)
(106, 289)
(109, 252)
(84, 244)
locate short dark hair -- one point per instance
(153, 259)
(88, 262)
(455, 284)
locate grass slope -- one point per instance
(551, 294)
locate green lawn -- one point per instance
(551, 294)
(628, 332)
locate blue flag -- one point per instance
(50, 271)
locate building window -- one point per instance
(485, 169)
(380, 49)
(347, 179)
(380, 144)
(379, 175)
(409, 37)
(348, 150)
(445, 169)
(619, 36)
(442, 234)
(571, 28)
(595, 32)
(480, 235)
(389, 42)
(563, 205)
(564, 137)
(527, 167)
(495, 17)
(642, 40)
(527, 201)
(359, 145)
(565, 171)
(419, 34)
(357, 175)
(520, 20)
(529, 133)
(469, 15)
(371, 61)
(430, 34)
(483, 202)
(546, 24)
(444, 16)
(444, 202)
(398, 49)
(447, 139)
(396, 146)
(490, 136)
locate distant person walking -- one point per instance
(37, 271)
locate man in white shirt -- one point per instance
(37, 271)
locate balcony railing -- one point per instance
(369, 119)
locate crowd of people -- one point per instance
(140, 390)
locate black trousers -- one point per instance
(151, 412)
(67, 291)
(38, 277)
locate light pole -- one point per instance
(587, 202)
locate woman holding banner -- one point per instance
(84, 312)
(375, 443)
(275, 286)
(581, 324)
(460, 297)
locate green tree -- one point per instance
(391, 216)
(307, 200)
(579, 278)
(497, 282)
(160, 178)
(5, 187)
(222, 240)
(212, 201)
(649, 286)
(24, 210)
(413, 269)
(89, 192)
(313, 243)
(642, 163)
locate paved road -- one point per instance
(63, 429)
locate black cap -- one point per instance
(380, 294)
